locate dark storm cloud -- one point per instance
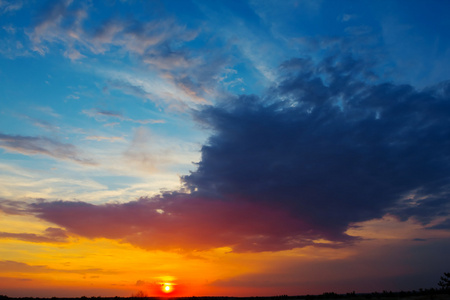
(443, 225)
(29, 145)
(331, 148)
(320, 151)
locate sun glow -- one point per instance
(167, 288)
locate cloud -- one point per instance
(48, 126)
(322, 150)
(174, 90)
(104, 115)
(28, 145)
(10, 6)
(10, 46)
(442, 225)
(112, 124)
(330, 147)
(130, 88)
(346, 17)
(63, 22)
(12, 207)
(50, 235)
(145, 152)
(105, 138)
(160, 44)
(20, 267)
(45, 125)
(48, 111)
(13, 266)
(178, 221)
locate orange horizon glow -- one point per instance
(104, 267)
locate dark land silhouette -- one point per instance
(441, 293)
(421, 294)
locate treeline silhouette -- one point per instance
(421, 294)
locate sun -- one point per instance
(167, 288)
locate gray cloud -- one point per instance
(50, 235)
(13, 207)
(28, 145)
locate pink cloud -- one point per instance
(50, 235)
(182, 221)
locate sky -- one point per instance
(237, 148)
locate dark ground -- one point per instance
(431, 294)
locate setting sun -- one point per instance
(167, 288)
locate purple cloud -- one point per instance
(50, 235)
(323, 149)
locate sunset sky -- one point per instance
(238, 148)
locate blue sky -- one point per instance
(100, 75)
(320, 116)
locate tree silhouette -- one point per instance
(444, 283)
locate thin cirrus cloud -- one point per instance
(19, 267)
(104, 115)
(48, 126)
(320, 151)
(29, 145)
(157, 44)
(10, 6)
(105, 138)
(176, 92)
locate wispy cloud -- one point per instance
(20, 267)
(28, 145)
(50, 235)
(13, 207)
(10, 6)
(46, 125)
(112, 124)
(10, 44)
(105, 115)
(102, 113)
(153, 41)
(48, 111)
(105, 138)
(144, 153)
(177, 93)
